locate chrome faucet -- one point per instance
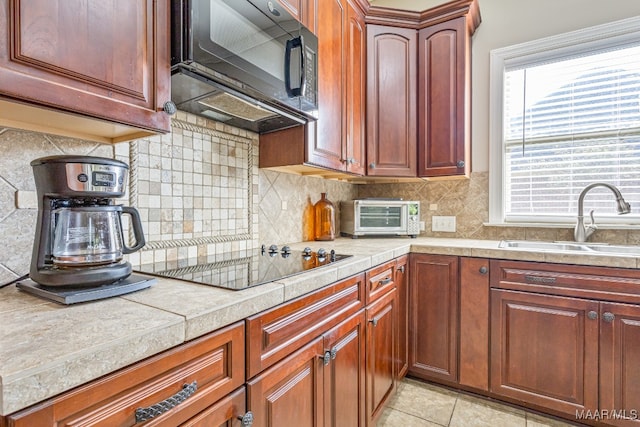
(582, 232)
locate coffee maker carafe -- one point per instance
(79, 239)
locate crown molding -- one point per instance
(418, 20)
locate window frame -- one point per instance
(599, 37)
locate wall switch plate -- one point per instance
(423, 226)
(443, 223)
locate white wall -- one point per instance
(509, 22)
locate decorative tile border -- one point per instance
(212, 163)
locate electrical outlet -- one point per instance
(443, 223)
(284, 205)
(423, 226)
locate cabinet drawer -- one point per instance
(603, 283)
(275, 333)
(380, 280)
(213, 366)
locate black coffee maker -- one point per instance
(79, 240)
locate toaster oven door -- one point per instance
(381, 219)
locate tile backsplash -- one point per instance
(200, 193)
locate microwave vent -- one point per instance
(231, 105)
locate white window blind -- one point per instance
(568, 122)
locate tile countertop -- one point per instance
(47, 348)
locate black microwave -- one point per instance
(248, 63)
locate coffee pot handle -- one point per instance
(137, 230)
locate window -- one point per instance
(565, 114)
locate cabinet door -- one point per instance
(325, 136)
(290, 393)
(344, 375)
(107, 60)
(227, 412)
(402, 295)
(381, 363)
(444, 99)
(391, 101)
(356, 89)
(433, 317)
(620, 361)
(474, 323)
(544, 350)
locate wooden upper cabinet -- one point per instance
(303, 10)
(391, 101)
(325, 146)
(355, 57)
(103, 60)
(336, 141)
(444, 99)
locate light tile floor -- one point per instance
(418, 404)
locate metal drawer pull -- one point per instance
(374, 321)
(246, 419)
(608, 317)
(592, 315)
(483, 270)
(145, 414)
(384, 281)
(401, 269)
(539, 279)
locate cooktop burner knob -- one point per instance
(322, 253)
(332, 255)
(273, 250)
(306, 251)
(286, 250)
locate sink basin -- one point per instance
(585, 248)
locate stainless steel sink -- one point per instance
(585, 248)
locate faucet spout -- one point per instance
(582, 232)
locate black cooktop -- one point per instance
(241, 269)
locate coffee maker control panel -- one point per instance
(88, 177)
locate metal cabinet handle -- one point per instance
(334, 353)
(374, 321)
(608, 317)
(246, 419)
(401, 269)
(539, 279)
(384, 281)
(145, 414)
(483, 270)
(372, 165)
(592, 315)
(460, 163)
(170, 108)
(326, 357)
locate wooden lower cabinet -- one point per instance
(344, 375)
(380, 358)
(290, 393)
(402, 295)
(544, 350)
(620, 361)
(433, 317)
(473, 369)
(200, 372)
(228, 412)
(322, 384)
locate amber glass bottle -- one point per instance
(325, 219)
